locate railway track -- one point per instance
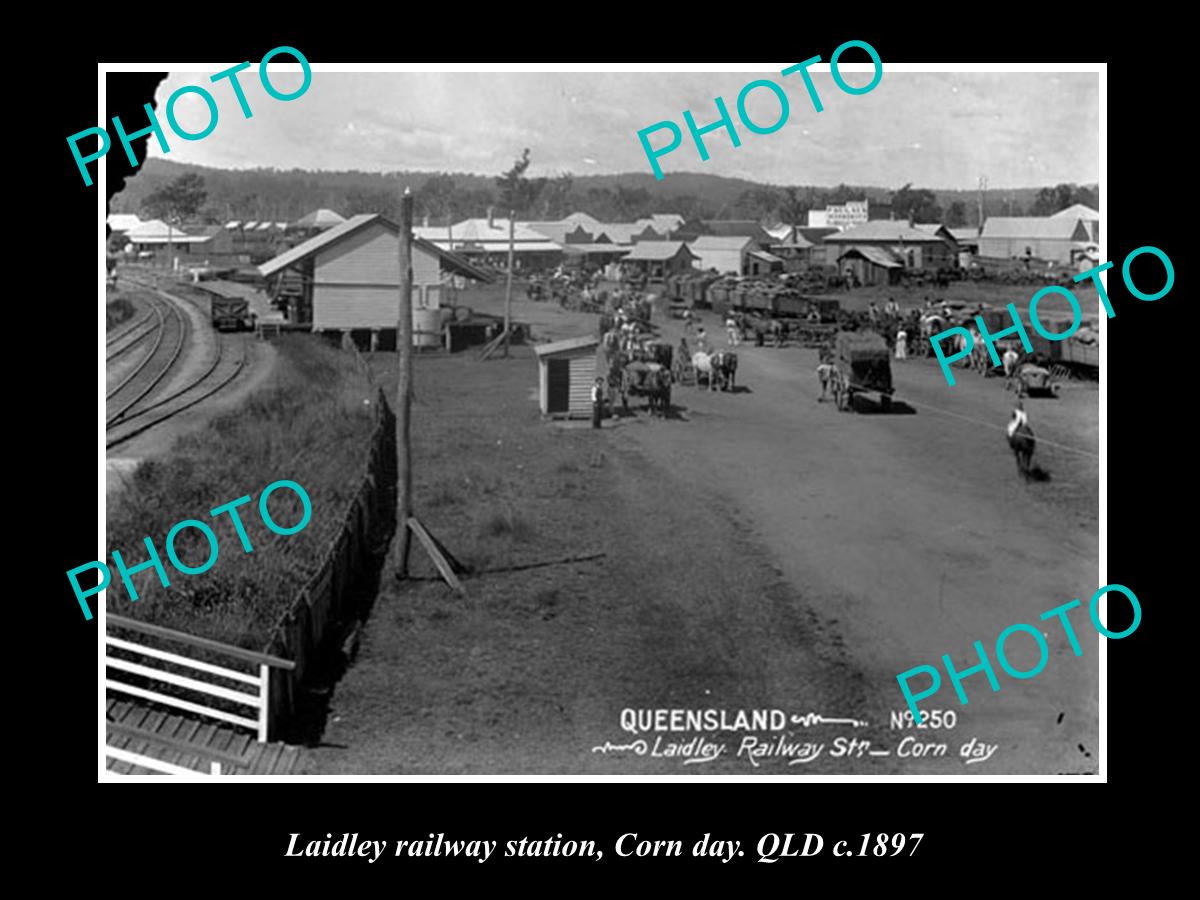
(227, 364)
(155, 366)
(130, 329)
(142, 334)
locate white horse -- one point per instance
(702, 363)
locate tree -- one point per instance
(792, 207)
(518, 193)
(180, 197)
(556, 197)
(956, 214)
(436, 198)
(1054, 199)
(919, 205)
(368, 200)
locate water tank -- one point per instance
(427, 327)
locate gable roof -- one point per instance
(658, 250)
(1066, 228)
(663, 223)
(720, 242)
(882, 230)
(1078, 210)
(331, 236)
(965, 235)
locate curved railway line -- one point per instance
(155, 366)
(129, 329)
(226, 365)
(132, 341)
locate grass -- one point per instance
(307, 424)
(117, 312)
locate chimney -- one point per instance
(425, 221)
(491, 219)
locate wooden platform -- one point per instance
(192, 743)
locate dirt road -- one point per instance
(914, 536)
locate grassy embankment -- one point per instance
(309, 424)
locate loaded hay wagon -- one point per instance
(862, 364)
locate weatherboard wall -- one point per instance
(356, 281)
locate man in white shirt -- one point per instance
(597, 401)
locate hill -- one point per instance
(285, 195)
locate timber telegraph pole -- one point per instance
(404, 347)
(508, 283)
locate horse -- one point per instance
(703, 364)
(724, 367)
(1021, 440)
(659, 388)
(825, 374)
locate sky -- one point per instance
(939, 130)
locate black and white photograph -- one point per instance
(669, 421)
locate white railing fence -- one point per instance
(147, 666)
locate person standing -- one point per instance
(597, 402)
(731, 330)
(901, 344)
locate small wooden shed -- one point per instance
(566, 372)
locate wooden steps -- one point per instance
(191, 743)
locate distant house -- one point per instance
(318, 219)
(914, 248)
(122, 223)
(818, 253)
(1090, 217)
(658, 259)
(871, 265)
(1059, 240)
(485, 240)
(939, 230)
(690, 231)
(797, 253)
(760, 263)
(347, 278)
(167, 245)
(566, 372)
(727, 255)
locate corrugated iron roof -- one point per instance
(657, 250)
(1066, 228)
(881, 256)
(720, 242)
(453, 261)
(575, 343)
(881, 230)
(320, 218)
(1078, 211)
(480, 230)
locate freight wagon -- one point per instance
(228, 309)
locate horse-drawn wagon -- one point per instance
(862, 364)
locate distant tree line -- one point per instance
(218, 196)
